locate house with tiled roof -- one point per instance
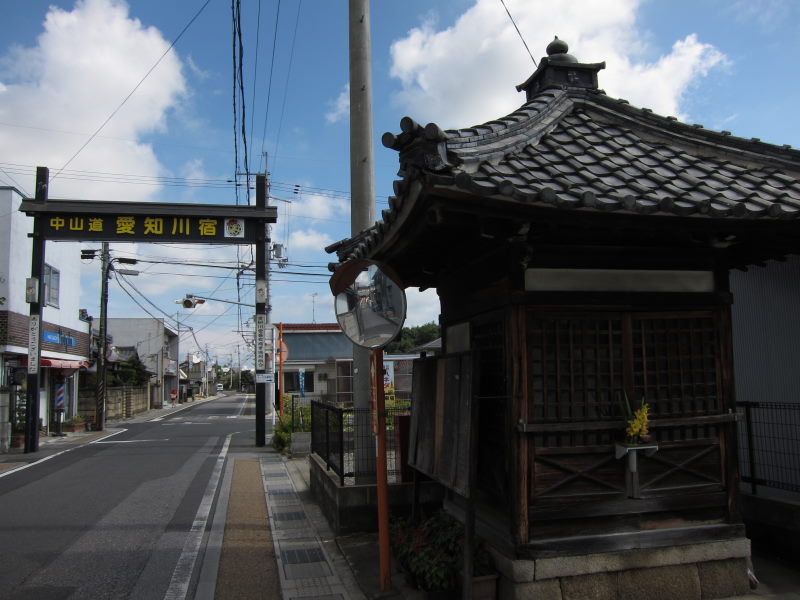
(581, 250)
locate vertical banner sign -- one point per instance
(261, 338)
(301, 376)
(34, 336)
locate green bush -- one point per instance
(282, 433)
(431, 551)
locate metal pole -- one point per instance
(102, 344)
(35, 319)
(362, 205)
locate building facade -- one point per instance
(65, 328)
(158, 347)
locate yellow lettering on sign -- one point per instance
(154, 225)
(57, 223)
(95, 224)
(180, 225)
(76, 223)
(207, 226)
(126, 225)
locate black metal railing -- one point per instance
(769, 445)
(343, 439)
(298, 408)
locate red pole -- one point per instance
(382, 482)
(280, 369)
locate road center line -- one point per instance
(182, 575)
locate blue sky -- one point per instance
(66, 66)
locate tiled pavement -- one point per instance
(309, 563)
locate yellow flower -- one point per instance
(637, 426)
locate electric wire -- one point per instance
(269, 84)
(286, 83)
(519, 33)
(255, 71)
(133, 91)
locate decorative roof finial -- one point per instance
(557, 51)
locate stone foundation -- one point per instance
(690, 572)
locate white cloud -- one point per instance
(321, 208)
(422, 307)
(83, 65)
(309, 239)
(466, 74)
(341, 106)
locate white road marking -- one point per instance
(41, 460)
(130, 441)
(182, 575)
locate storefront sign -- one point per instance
(54, 337)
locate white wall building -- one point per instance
(65, 335)
(157, 346)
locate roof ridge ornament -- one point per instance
(560, 70)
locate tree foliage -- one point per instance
(130, 372)
(411, 337)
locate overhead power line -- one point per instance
(513, 22)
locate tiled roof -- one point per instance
(311, 327)
(573, 148)
(597, 153)
(580, 149)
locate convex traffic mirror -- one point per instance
(370, 305)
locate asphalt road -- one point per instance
(126, 516)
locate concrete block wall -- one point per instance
(353, 508)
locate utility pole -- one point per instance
(102, 343)
(362, 205)
(261, 317)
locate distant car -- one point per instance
(220, 387)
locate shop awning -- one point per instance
(56, 363)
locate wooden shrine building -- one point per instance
(581, 249)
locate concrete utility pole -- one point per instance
(102, 343)
(362, 203)
(261, 318)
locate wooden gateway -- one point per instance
(580, 248)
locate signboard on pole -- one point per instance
(34, 337)
(261, 339)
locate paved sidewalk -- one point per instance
(309, 563)
(354, 558)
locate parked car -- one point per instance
(220, 387)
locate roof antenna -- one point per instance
(520, 34)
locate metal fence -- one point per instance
(769, 445)
(343, 439)
(299, 409)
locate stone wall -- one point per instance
(121, 402)
(688, 572)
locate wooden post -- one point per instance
(35, 319)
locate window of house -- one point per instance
(291, 382)
(344, 382)
(52, 279)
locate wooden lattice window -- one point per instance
(583, 366)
